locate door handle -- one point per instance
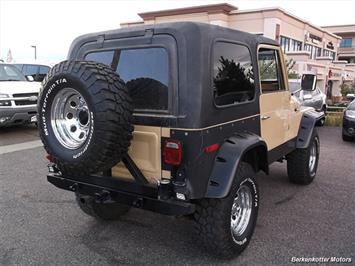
(265, 117)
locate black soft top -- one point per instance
(184, 28)
(191, 103)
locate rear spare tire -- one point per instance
(85, 115)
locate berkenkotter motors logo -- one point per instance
(321, 260)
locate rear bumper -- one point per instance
(15, 115)
(105, 188)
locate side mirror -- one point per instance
(309, 82)
(29, 78)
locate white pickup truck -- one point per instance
(18, 97)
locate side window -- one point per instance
(30, 70)
(270, 70)
(233, 76)
(43, 70)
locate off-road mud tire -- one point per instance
(111, 108)
(213, 218)
(298, 163)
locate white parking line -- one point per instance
(20, 146)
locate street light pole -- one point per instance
(35, 47)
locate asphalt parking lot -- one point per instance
(41, 225)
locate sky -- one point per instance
(52, 25)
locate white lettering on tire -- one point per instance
(44, 106)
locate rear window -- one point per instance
(145, 71)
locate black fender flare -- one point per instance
(227, 160)
(305, 131)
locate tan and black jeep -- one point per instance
(175, 118)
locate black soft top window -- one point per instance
(145, 71)
(233, 76)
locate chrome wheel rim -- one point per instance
(241, 211)
(70, 118)
(312, 157)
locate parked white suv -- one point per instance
(18, 97)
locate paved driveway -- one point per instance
(41, 225)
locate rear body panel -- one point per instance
(145, 149)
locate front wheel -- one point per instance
(302, 164)
(226, 225)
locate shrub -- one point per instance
(347, 88)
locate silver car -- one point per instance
(315, 99)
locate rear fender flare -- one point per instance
(227, 160)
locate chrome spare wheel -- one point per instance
(241, 211)
(70, 118)
(312, 157)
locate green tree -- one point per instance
(292, 74)
(268, 69)
(347, 88)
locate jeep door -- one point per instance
(274, 98)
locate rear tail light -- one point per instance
(172, 152)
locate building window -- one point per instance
(314, 50)
(346, 42)
(285, 44)
(233, 79)
(296, 45)
(329, 54)
(288, 44)
(318, 51)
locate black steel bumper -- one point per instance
(106, 188)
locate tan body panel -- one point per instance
(145, 150)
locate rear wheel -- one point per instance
(99, 210)
(302, 164)
(226, 225)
